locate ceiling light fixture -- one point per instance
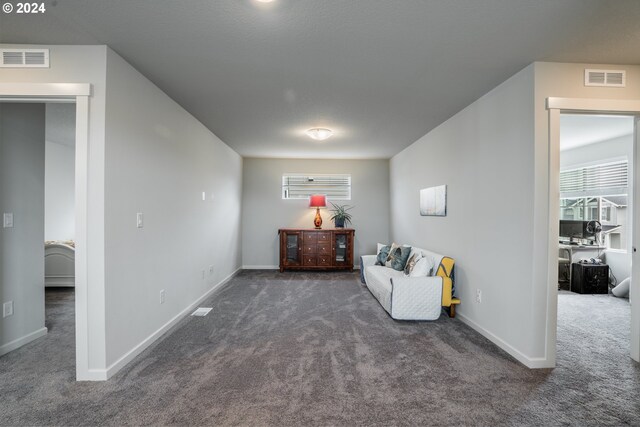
(264, 1)
(319, 134)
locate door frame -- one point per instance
(79, 94)
(555, 107)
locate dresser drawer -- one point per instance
(309, 248)
(310, 237)
(324, 260)
(324, 249)
(309, 260)
(324, 236)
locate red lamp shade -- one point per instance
(318, 201)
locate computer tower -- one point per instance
(590, 278)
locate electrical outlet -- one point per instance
(211, 270)
(7, 309)
(478, 296)
(162, 296)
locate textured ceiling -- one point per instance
(380, 73)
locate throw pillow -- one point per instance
(383, 254)
(398, 256)
(422, 268)
(413, 259)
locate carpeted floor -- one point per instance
(317, 349)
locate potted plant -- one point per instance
(340, 215)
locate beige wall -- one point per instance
(264, 211)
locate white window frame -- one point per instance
(284, 187)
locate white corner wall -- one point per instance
(22, 246)
(494, 156)
(484, 154)
(159, 161)
(83, 64)
(559, 80)
(264, 210)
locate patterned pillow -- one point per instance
(383, 254)
(413, 259)
(398, 256)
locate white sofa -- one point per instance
(410, 298)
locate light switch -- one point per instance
(7, 220)
(139, 220)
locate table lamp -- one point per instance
(318, 201)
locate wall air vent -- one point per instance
(24, 58)
(608, 78)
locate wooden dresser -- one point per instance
(311, 249)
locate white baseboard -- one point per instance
(529, 362)
(17, 343)
(102, 375)
(260, 267)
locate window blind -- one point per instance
(298, 186)
(607, 176)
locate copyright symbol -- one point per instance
(7, 8)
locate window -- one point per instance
(598, 192)
(606, 178)
(299, 186)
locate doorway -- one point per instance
(37, 243)
(80, 93)
(557, 107)
(595, 235)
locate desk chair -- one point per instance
(564, 260)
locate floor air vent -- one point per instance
(24, 58)
(609, 78)
(201, 311)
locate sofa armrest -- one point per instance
(366, 261)
(416, 298)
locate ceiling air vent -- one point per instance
(24, 58)
(609, 78)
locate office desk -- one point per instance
(579, 252)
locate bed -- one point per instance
(59, 264)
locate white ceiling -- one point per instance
(577, 130)
(380, 73)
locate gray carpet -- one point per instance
(317, 349)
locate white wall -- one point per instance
(494, 155)
(611, 149)
(159, 161)
(59, 192)
(83, 64)
(59, 189)
(484, 155)
(563, 81)
(149, 155)
(264, 211)
(22, 247)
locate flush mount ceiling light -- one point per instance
(319, 134)
(264, 1)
